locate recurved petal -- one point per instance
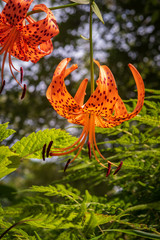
(103, 99)
(36, 53)
(121, 113)
(81, 92)
(47, 47)
(41, 31)
(25, 52)
(57, 94)
(140, 88)
(15, 11)
(120, 110)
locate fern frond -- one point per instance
(5, 133)
(31, 146)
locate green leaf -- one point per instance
(5, 133)
(136, 233)
(31, 146)
(91, 224)
(153, 91)
(38, 237)
(96, 10)
(9, 161)
(58, 190)
(153, 205)
(81, 1)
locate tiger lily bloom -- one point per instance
(27, 41)
(103, 109)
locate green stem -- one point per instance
(91, 50)
(53, 8)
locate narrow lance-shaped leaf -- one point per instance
(135, 232)
(81, 1)
(96, 10)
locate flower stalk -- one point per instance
(91, 50)
(53, 8)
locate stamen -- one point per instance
(80, 143)
(24, 91)
(118, 168)
(65, 149)
(21, 74)
(2, 86)
(67, 163)
(49, 147)
(44, 151)
(109, 169)
(89, 149)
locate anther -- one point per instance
(2, 86)
(49, 147)
(24, 91)
(21, 74)
(118, 168)
(67, 163)
(44, 151)
(109, 169)
(89, 149)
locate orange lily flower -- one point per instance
(26, 41)
(103, 109)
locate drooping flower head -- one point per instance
(26, 40)
(103, 109)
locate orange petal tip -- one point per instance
(131, 66)
(68, 59)
(96, 62)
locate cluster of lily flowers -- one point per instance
(29, 40)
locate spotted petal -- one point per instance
(121, 113)
(4, 32)
(103, 100)
(15, 11)
(64, 104)
(36, 33)
(25, 52)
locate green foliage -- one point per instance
(31, 146)
(131, 207)
(5, 133)
(9, 161)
